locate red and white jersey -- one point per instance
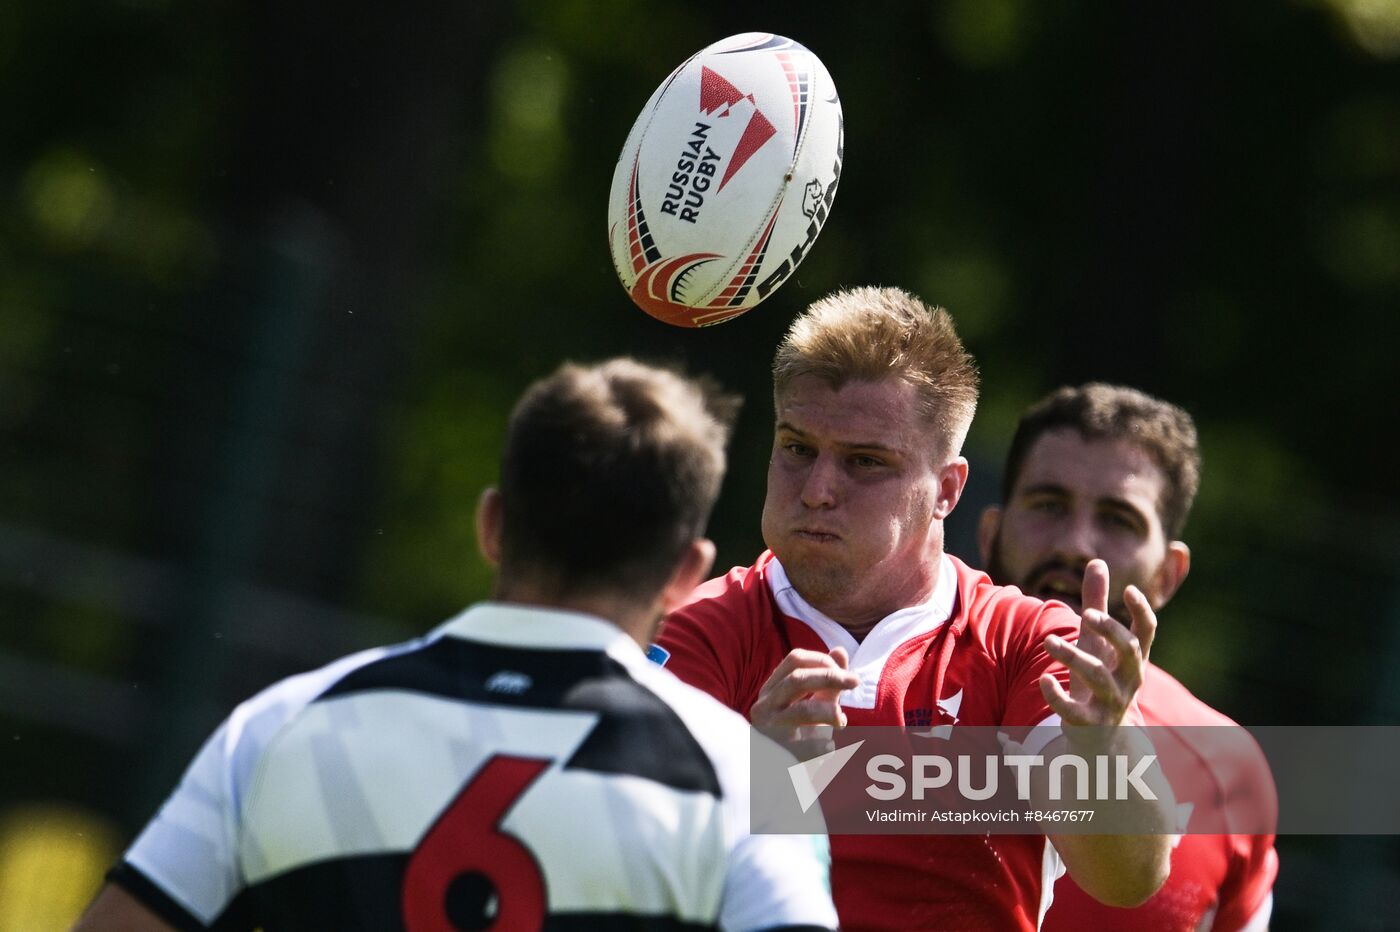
(518, 768)
(1221, 883)
(971, 655)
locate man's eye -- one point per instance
(1047, 506)
(1121, 522)
(866, 462)
(798, 449)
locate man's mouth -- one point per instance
(816, 535)
(1060, 586)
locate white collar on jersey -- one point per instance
(868, 658)
(514, 625)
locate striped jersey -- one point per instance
(517, 768)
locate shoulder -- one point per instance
(1000, 616)
(726, 607)
(741, 592)
(1165, 701)
(720, 731)
(256, 722)
(1223, 749)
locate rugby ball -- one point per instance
(725, 180)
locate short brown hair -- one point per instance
(869, 334)
(609, 472)
(1116, 412)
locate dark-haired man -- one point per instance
(1109, 473)
(523, 765)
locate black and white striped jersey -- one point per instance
(517, 768)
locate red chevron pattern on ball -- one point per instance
(703, 219)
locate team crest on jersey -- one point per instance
(947, 711)
(509, 682)
(658, 655)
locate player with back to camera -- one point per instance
(1107, 472)
(523, 764)
(856, 615)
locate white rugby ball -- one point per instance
(725, 180)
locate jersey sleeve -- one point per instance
(1026, 660)
(778, 881)
(703, 641)
(772, 880)
(1246, 896)
(184, 864)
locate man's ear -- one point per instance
(1170, 575)
(691, 570)
(987, 527)
(490, 515)
(952, 479)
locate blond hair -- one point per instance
(870, 334)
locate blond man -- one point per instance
(856, 615)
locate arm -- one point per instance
(778, 882)
(115, 910)
(181, 871)
(773, 879)
(1246, 897)
(1105, 673)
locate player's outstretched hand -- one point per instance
(803, 691)
(1106, 666)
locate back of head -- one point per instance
(609, 472)
(1115, 412)
(870, 334)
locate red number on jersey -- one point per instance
(467, 873)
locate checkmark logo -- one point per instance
(811, 777)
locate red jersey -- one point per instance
(972, 655)
(1218, 882)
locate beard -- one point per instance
(1029, 582)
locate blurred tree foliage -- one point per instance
(272, 274)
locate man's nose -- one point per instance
(1078, 541)
(820, 486)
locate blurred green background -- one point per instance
(271, 275)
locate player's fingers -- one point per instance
(813, 711)
(807, 743)
(1086, 669)
(1126, 665)
(840, 657)
(1060, 702)
(1144, 619)
(801, 674)
(1093, 591)
(817, 679)
(797, 659)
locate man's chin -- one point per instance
(815, 579)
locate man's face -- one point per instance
(856, 497)
(1078, 499)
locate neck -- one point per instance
(860, 616)
(637, 620)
